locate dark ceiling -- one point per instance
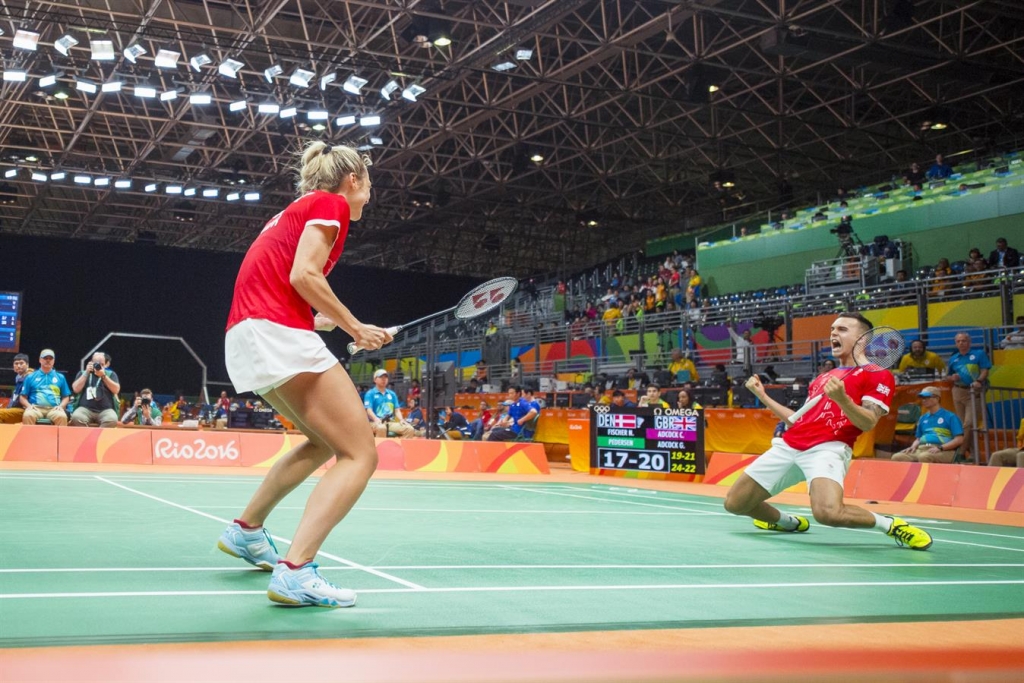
(615, 97)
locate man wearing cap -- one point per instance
(96, 389)
(12, 414)
(382, 408)
(939, 432)
(45, 393)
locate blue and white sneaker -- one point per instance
(255, 547)
(305, 586)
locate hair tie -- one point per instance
(326, 150)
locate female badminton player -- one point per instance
(272, 348)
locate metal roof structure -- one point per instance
(548, 135)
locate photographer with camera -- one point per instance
(144, 411)
(96, 390)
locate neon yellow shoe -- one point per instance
(801, 525)
(909, 536)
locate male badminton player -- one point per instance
(818, 448)
(271, 348)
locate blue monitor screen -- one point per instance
(10, 321)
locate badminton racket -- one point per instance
(880, 346)
(481, 299)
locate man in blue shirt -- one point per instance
(12, 414)
(45, 393)
(939, 432)
(969, 370)
(520, 413)
(382, 408)
(940, 170)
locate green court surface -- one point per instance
(125, 558)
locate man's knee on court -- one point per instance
(736, 504)
(829, 514)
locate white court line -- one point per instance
(635, 494)
(459, 567)
(608, 500)
(940, 540)
(358, 508)
(329, 556)
(209, 479)
(524, 589)
(964, 531)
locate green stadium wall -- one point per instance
(948, 227)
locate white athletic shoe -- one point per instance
(305, 586)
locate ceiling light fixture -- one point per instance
(200, 60)
(272, 72)
(524, 54)
(123, 183)
(168, 95)
(317, 115)
(26, 40)
(145, 91)
(268, 107)
(327, 79)
(413, 91)
(86, 86)
(504, 66)
(369, 121)
(230, 68)
(301, 78)
(47, 81)
(150, 188)
(189, 192)
(389, 89)
(15, 76)
(102, 50)
(353, 84)
(61, 93)
(238, 105)
(376, 140)
(345, 120)
(58, 175)
(200, 98)
(32, 157)
(210, 192)
(173, 189)
(83, 180)
(166, 59)
(10, 173)
(112, 86)
(133, 52)
(288, 112)
(233, 196)
(101, 182)
(64, 44)
(251, 196)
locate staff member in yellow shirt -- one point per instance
(682, 365)
(920, 357)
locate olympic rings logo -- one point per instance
(600, 409)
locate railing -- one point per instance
(1003, 410)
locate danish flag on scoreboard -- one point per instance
(686, 424)
(624, 421)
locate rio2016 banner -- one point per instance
(647, 443)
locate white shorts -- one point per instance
(781, 466)
(262, 355)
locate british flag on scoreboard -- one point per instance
(686, 424)
(624, 422)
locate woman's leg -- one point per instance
(329, 410)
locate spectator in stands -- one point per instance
(1010, 457)
(14, 412)
(96, 389)
(693, 285)
(486, 421)
(920, 357)
(146, 411)
(974, 271)
(682, 369)
(969, 370)
(221, 411)
(684, 400)
(938, 434)
(515, 374)
(940, 170)
(915, 176)
(612, 313)
(827, 366)
(453, 424)
(695, 313)
(520, 413)
(472, 388)
(480, 375)
(415, 416)
(720, 378)
(652, 398)
(744, 346)
(414, 389)
(941, 272)
(45, 393)
(1003, 256)
(382, 409)
(619, 400)
(1014, 340)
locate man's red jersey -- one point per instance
(826, 421)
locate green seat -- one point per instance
(906, 426)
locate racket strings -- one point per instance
(885, 348)
(486, 297)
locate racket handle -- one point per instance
(803, 410)
(354, 348)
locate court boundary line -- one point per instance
(329, 556)
(524, 589)
(458, 567)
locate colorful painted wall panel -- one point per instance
(33, 443)
(424, 455)
(110, 446)
(971, 313)
(512, 458)
(265, 449)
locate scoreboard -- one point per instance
(661, 443)
(10, 321)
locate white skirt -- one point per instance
(262, 355)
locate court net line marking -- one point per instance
(457, 567)
(611, 500)
(329, 556)
(506, 511)
(517, 589)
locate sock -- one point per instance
(292, 565)
(787, 521)
(883, 523)
(248, 527)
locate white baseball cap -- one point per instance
(47, 352)
(380, 372)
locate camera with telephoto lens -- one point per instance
(97, 368)
(145, 401)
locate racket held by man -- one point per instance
(481, 299)
(881, 347)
